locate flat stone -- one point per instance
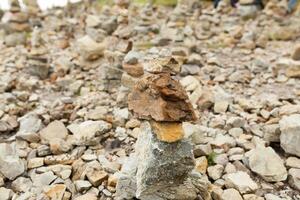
(35, 162)
(86, 132)
(266, 163)
(231, 194)
(87, 196)
(241, 181)
(54, 130)
(96, 177)
(290, 134)
(293, 162)
(252, 197)
(30, 124)
(168, 131)
(11, 165)
(5, 194)
(82, 185)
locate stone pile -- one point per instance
(37, 58)
(17, 25)
(162, 165)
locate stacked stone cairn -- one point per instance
(162, 166)
(17, 25)
(38, 62)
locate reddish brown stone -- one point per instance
(161, 98)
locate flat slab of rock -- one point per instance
(161, 98)
(266, 163)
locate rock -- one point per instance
(166, 64)
(87, 196)
(296, 53)
(294, 178)
(168, 131)
(11, 166)
(132, 57)
(42, 180)
(231, 194)
(82, 185)
(135, 70)
(241, 181)
(96, 177)
(5, 194)
(161, 98)
(35, 162)
(201, 164)
(215, 172)
(267, 164)
(290, 134)
(89, 49)
(293, 162)
(151, 175)
(15, 39)
(272, 197)
(252, 197)
(56, 191)
(21, 184)
(54, 130)
(59, 146)
(89, 132)
(30, 124)
(37, 58)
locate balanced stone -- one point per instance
(38, 64)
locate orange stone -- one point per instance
(168, 131)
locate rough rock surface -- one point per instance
(266, 163)
(11, 165)
(158, 170)
(290, 134)
(161, 98)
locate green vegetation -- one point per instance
(211, 158)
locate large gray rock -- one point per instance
(159, 170)
(290, 134)
(11, 165)
(266, 163)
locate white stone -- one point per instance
(241, 181)
(82, 185)
(215, 172)
(294, 178)
(290, 134)
(54, 130)
(30, 124)
(266, 163)
(11, 165)
(231, 194)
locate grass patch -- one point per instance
(211, 158)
